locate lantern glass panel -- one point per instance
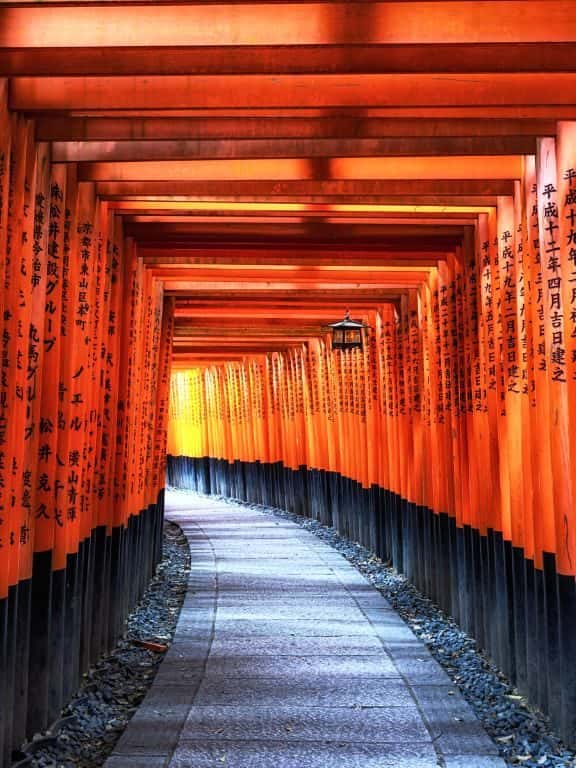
(353, 337)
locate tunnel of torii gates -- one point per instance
(189, 194)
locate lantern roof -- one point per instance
(348, 323)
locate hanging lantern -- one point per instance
(348, 333)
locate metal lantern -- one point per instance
(348, 333)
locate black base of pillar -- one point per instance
(40, 658)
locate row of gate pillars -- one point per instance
(524, 617)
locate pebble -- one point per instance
(92, 723)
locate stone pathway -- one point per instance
(285, 657)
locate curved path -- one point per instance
(285, 657)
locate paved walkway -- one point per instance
(285, 657)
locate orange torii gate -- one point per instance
(202, 189)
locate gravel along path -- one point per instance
(523, 735)
(111, 692)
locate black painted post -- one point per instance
(87, 575)
(23, 621)
(541, 640)
(488, 591)
(478, 587)
(3, 674)
(72, 624)
(56, 646)
(567, 633)
(10, 681)
(510, 642)
(531, 631)
(552, 627)
(465, 593)
(519, 592)
(99, 545)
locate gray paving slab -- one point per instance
(228, 569)
(180, 673)
(452, 722)
(473, 761)
(291, 587)
(138, 761)
(154, 730)
(305, 691)
(363, 724)
(286, 657)
(293, 667)
(278, 754)
(228, 647)
(415, 663)
(294, 628)
(272, 607)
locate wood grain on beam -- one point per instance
(120, 151)
(293, 169)
(294, 91)
(217, 342)
(200, 337)
(332, 297)
(358, 227)
(278, 217)
(187, 312)
(252, 324)
(200, 360)
(302, 23)
(205, 350)
(544, 111)
(274, 279)
(477, 201)
(289, 59)
(275, 306)
(50, 128)
(299, 257)
(225, 288)
(309, 232)
(218, 207)
(426, 241)
(316, 189)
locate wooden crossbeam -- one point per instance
(288, 297)
(289, 59)
(290, 91)
(112, 151)
(71, 24)
(368, 214)
(308, 232)
(268, 279)
(209, 349)
(192, 257)
(230, 325)
(293, 169)
(186, 312)
(295, 189)
(309, 304)
(360, 126)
